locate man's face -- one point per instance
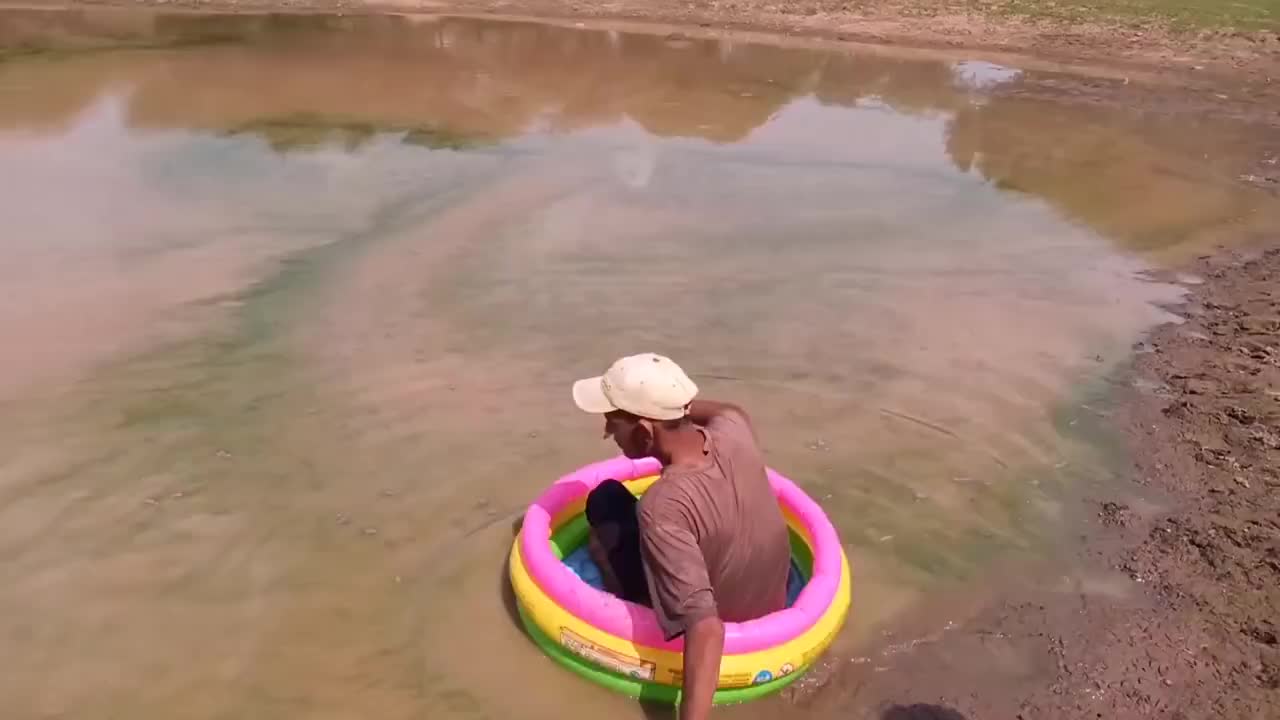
(632, 434)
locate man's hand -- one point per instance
(703, 647)
(600, 556)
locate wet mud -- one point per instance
(1185, 624)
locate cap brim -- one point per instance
(589, 396)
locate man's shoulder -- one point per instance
(732, 425)
(667, 497)
(660, 494)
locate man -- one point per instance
(709, 538)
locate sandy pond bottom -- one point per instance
(293, 303)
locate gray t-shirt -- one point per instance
(713, 538)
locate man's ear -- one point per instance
(648, 437)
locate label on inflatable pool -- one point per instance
(812, 655)
(632, 667)
(727, 680)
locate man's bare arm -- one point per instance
(702, 411)
(600, 557)
(703, 648)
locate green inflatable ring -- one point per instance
(569, 537)
(645, 691)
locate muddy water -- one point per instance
(292, 305)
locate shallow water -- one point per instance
(293, 305)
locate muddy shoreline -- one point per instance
(1188, 58)
(1189, 629)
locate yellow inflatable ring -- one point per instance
(619, 644)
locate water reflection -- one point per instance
(455, 83)
(299, 299)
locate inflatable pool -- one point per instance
(620, 645)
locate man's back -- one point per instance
(713, 536)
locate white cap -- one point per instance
(648, 385)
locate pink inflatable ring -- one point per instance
(621, 645)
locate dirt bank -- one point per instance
(1207, 56)
(1180, 619)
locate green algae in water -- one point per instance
(306, 131)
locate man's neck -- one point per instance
(685, 448)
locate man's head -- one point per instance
(611, 512)
(641, 397)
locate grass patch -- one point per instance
(1176, 14)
